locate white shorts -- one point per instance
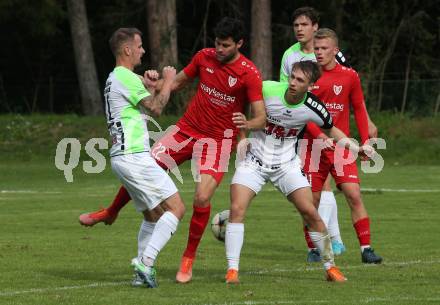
(287, 177)
(146, 182)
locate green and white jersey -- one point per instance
(294, 54)
(126, 119)
(277, 143)
(291, 56)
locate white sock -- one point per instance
(329, 201)
(325, 207)
(233, 242)
(164, 229)
(144, 236)
(324, 245)
(364, 247)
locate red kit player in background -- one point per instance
(339, 88)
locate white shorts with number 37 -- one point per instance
(287, 178)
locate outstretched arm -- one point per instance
(180, 81)
(342, 139)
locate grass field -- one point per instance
(48, 258)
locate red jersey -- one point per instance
(340, 88)
(222, 90)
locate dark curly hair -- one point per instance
(229, 27)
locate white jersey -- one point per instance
(277, 143)
(292, 55)
(125, 120)
(295, 54)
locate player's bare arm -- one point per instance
(342, 139)
(243, 145)
(327, 143)
(180, 81)
(157, 101)
(258, 121)
(372, 129)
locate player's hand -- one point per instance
(366, 152)
(168, 73)
(242, 148)
(328, 144)
(372, 130)
(150, 79)
(240, 121)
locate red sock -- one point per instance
(199, 220)
(121, 199)
(309, 241)
(362, 227)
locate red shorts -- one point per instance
(211, 156)
(341, 172)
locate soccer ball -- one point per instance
(218, 224)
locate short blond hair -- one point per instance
(121, 36)
(327, 33)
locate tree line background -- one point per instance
(55, 56)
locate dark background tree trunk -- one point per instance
(338, 13)
(261, 37)
(407, 73)
(85, 62)
(383, 65)
(437, 105)
(162, 32)
(53, 76)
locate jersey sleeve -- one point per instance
(254, 87)
(340, 58)
(133, 88)
(359, 109)
(192, 69)
(319, 114)
(284, 69)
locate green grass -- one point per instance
(409, 140)
(48, 258)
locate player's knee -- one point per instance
(175, 205)
(310, 216)
(354, 200)
(202, 199)
(316, 199)
(178, 209)
(237, 212)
